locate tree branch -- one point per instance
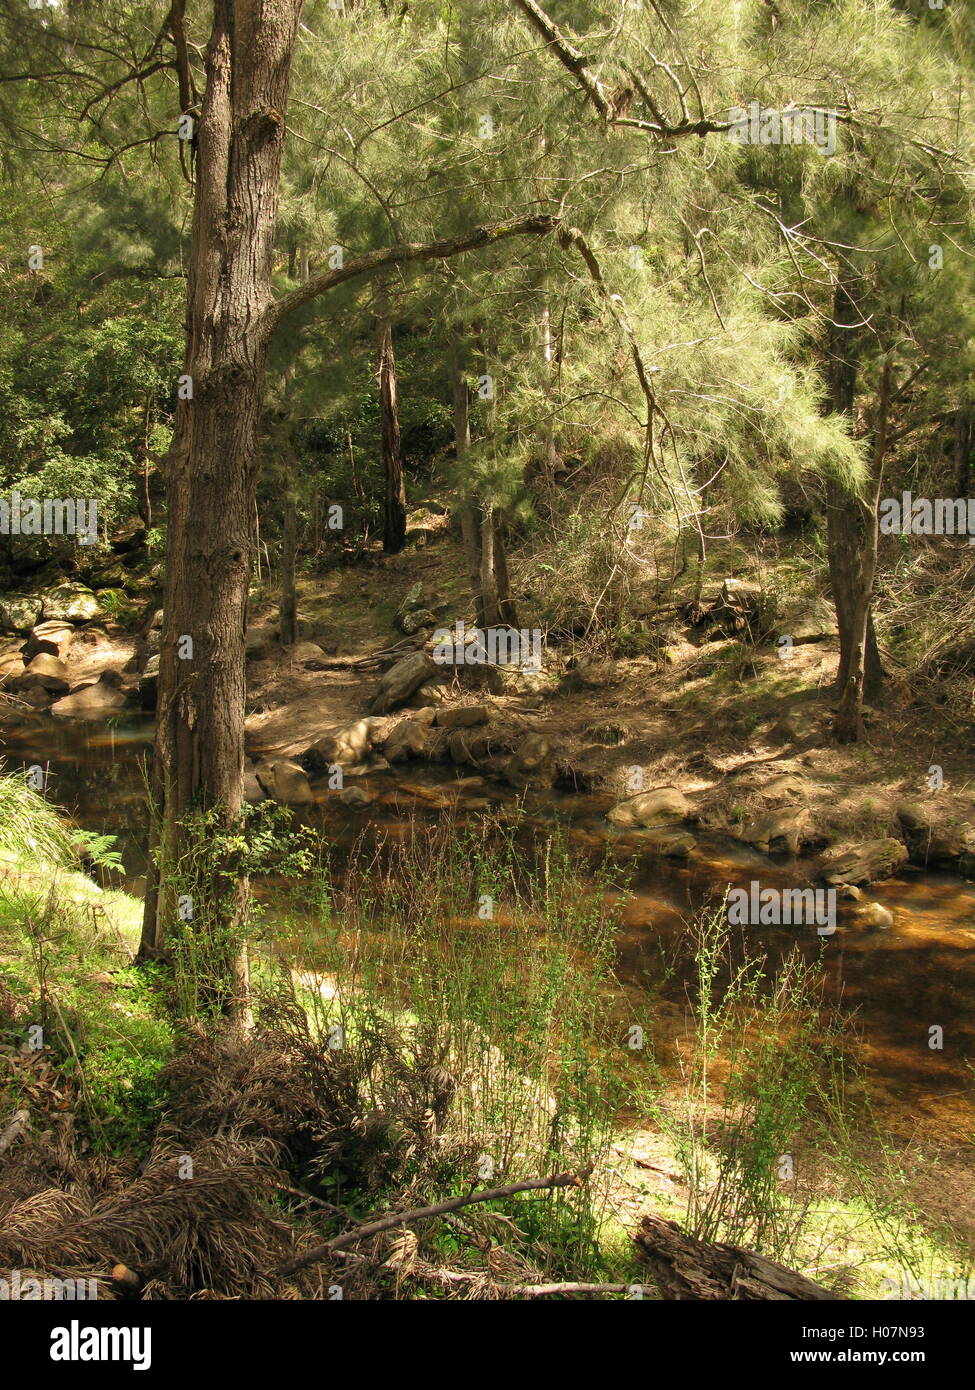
(404, 1218)
(575, 63)
(539, 224)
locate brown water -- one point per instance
(901, 982)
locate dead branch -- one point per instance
(405, 1218)
(18, 1123)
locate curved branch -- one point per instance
(539, 224)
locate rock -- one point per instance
(11, 668)
(348, 746)
(532, 763)
(401, 680)
(259, 644)
(285, 782)
(462, 716)
(509, 680)
(794, 727)
(814, 623)
(594, 675)
(862, 863)
(873, 916)
(412, 600)
(672, 844)
(71, 603)
(47, 672)
(932, 840)
(661, 806)
(149, 683)
(783, 828)
(156, 621)
(356, 798)
(429, 697)
(411, 623)
(426, 715)
(304, 651)
(786, 787)
(407, 740)
(19, 612)
(96, 701)
(739, 593)
(50, 638)
(254, 793)
(38, 698)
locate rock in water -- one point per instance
(862, 863)
(96, 701)
(407, 740)
(661, 806)
(532, 763)
(285, 781)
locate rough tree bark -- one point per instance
(848, 532)
(484, 550)
(690, 1269)
(394, 499)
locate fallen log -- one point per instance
(686, 1268)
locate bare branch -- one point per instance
(538, 224)
(405, 1218)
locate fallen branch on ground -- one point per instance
(404, 1218)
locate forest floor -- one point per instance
(718, 719)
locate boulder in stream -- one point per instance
(647, 810)
(285, 782)
(862, 863)
(96, 701)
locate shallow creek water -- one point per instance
(900, 981)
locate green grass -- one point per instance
(69, 994)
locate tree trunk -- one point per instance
(394, 505)
(849, 531)
(289, 545)
(849, 714)
(212, 467)
(470, 515)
